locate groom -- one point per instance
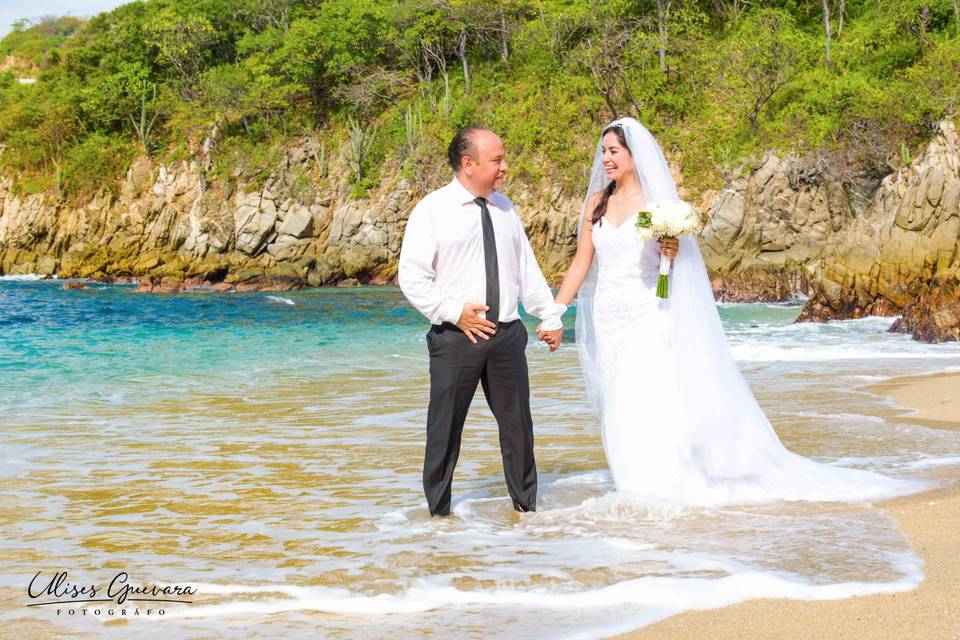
(464, 263)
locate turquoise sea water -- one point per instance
(109, 343)
(266, 447)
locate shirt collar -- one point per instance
(461, 193)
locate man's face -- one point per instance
(486, 167)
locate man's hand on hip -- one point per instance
(473, 325)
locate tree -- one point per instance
(504, 18)
(261, 15)
(226, 92)
(484, 25)
(767, 52)
(185, 42)
(367, 95)
(663, 19)
(143, 123)
(842, 12)
(462, 54)
(609, 54)
(826, 24)
(730, 9)
(430, 33)
(424, 37)
(39, 135)
(32, 42)
(322, 52)
(126, 97)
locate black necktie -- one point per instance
(490, 261)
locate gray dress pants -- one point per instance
(500, 365)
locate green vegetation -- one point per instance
(378, 88)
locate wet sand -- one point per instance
(930, 520)
(930, 400)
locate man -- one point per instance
(464, 263)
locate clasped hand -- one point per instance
(552, 337)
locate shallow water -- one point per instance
(266, 448)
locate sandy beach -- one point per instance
(930, 520)
(931, 400)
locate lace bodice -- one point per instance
(624, 262)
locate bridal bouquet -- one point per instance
(667, 220)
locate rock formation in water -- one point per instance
(882, 246)
(767, 228)
(902, 257)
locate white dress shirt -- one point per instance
(442, 264)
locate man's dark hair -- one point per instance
(462, 145)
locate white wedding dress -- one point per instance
(678, 420)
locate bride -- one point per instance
(678, 420)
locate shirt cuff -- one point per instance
(551, 317)
(450, 311)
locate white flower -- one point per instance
(668, 220)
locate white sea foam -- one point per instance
(682, 557)
(634, 602)
(861, 339)
(828, 352)
(24, 277)
(934, 373)
(673, 593)
(927, 463)
(849, 417)
(868, 378)
(795, 302)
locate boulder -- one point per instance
(297, 223)
(254, 222)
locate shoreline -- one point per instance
(932, 399)
(931, 522)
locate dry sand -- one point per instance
(935, 398)
(930, 520)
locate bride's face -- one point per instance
(617, 160)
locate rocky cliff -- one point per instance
(774, 224)
(170, 229)
(780, 227)
(883, 245)
(902, 257)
